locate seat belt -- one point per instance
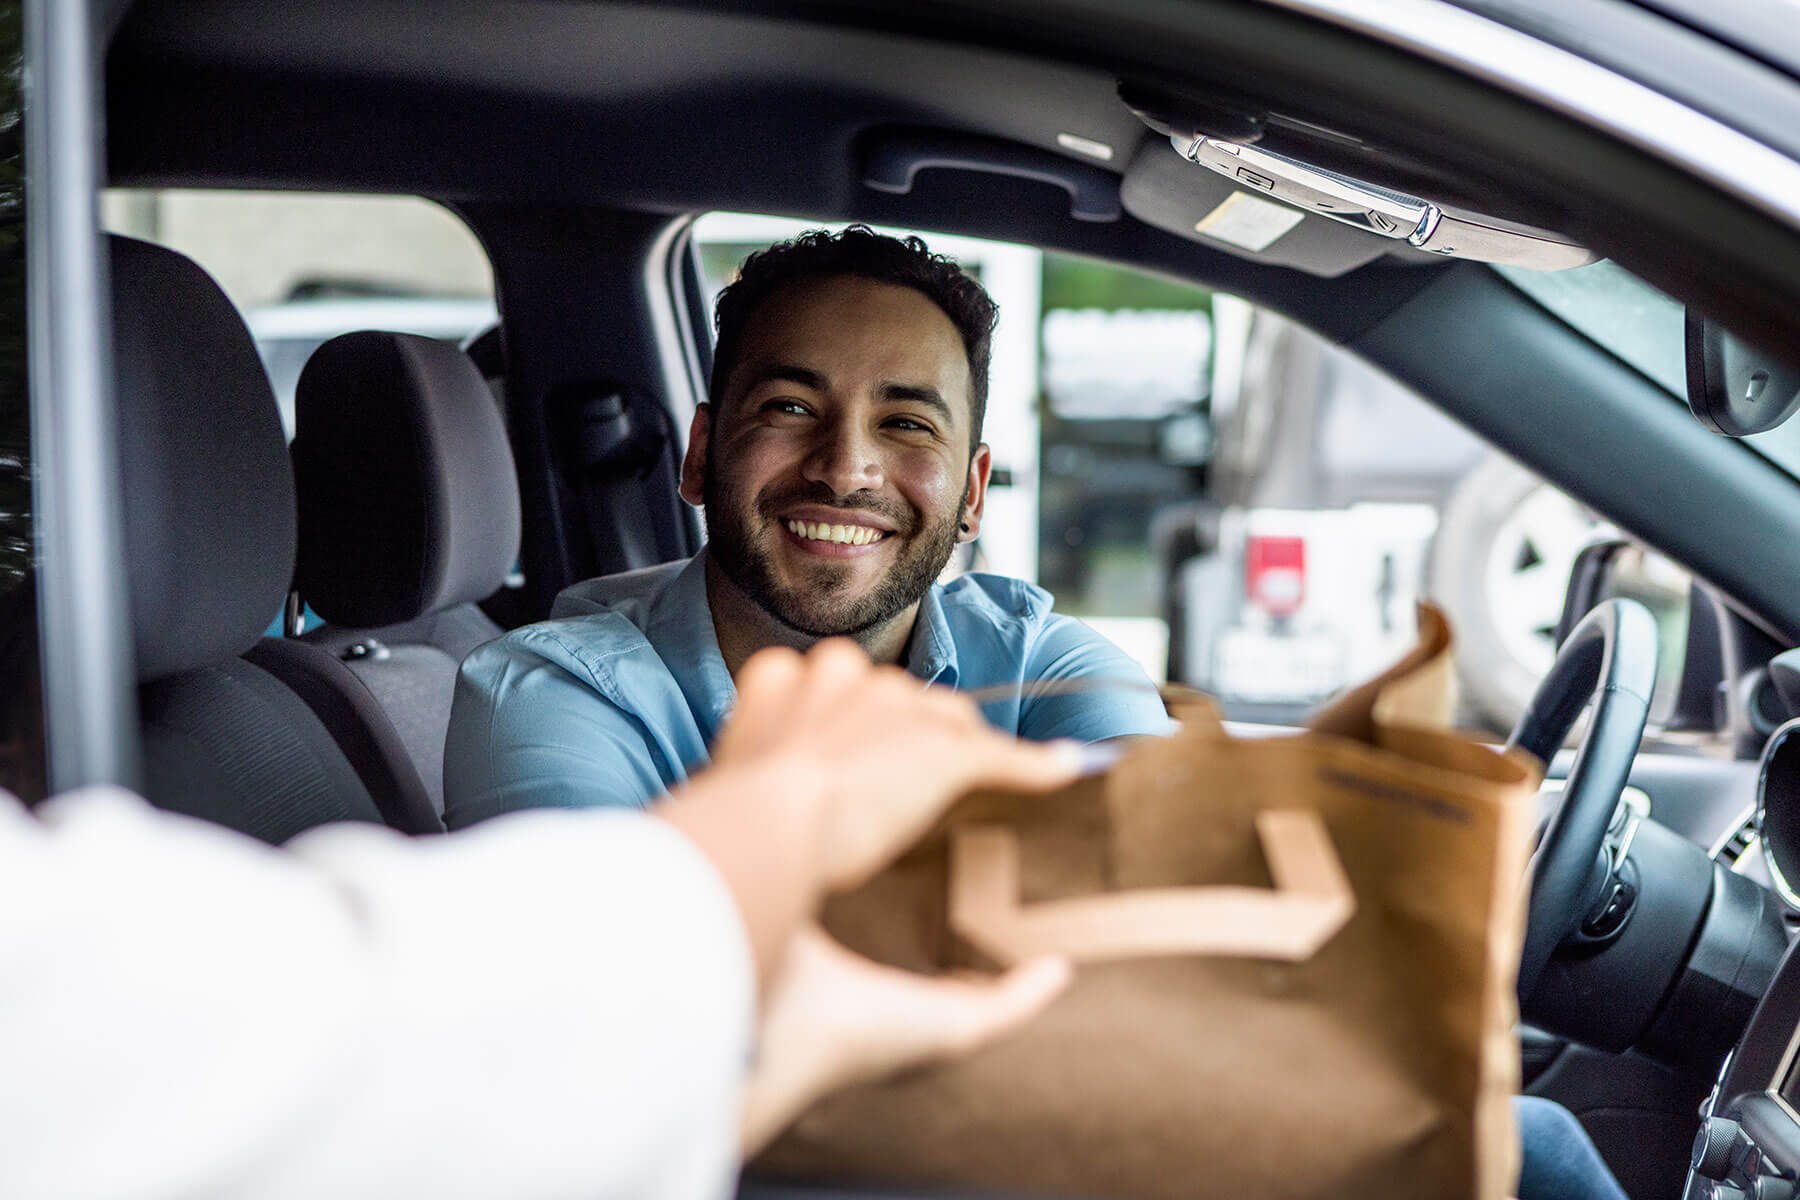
(619, 457)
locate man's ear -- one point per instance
(980, 467)
(693, 463)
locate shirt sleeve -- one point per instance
(187, 1013)
(1066, 649)
(527, 733)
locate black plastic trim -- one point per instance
(892, 157)
(89, 676)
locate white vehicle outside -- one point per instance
(287, 333)
(1380, 500)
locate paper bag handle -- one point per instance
(1310, 902)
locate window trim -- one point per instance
(1580, 88)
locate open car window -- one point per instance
(1238, 503)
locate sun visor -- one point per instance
(1163, 189)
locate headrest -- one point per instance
(409, 502)
(208, 493)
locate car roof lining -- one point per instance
(677, 108)
(309, 79)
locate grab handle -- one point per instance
(891, 160)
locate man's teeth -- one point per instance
(849, 535)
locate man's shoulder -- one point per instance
(1001, 599)
(597, 632)
(1022, 615)
(1015, 618)
(628, 593)
(582, 644)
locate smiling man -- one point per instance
(839, 462)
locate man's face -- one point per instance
(837, 472)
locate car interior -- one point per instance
(1371, 194)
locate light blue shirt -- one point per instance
(616, 698)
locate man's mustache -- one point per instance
(903, 519)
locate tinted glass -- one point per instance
(21, 718)
(1620, 311)
(1642, 326)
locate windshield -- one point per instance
(1641, 325)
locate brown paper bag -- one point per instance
(1295, 955)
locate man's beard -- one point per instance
(820, 605)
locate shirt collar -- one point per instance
(680, 626)
(932, 653)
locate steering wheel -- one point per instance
(1609, 657)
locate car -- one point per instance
(1522, 213)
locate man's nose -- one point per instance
(844, 457)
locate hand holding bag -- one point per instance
(1295, 968)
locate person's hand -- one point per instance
(833, 1019)
(883, 754)
(828, 768)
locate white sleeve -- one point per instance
(555, 1004)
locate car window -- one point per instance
(1239, 504)
(1618, 310)
(21, 717)
(1338, 500)
(305, 267)
(1092, 363)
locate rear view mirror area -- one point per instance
(1733, 388)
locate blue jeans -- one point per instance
(1561, 1162)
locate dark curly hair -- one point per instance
(859, 250)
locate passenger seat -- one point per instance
(266, 736)
(409, 515)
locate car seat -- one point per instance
(266, 736)
(409, 514)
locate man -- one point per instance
(839, 461)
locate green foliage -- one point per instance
(15, 446)
(1072, 282)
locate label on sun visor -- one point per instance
(1243, 220)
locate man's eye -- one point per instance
(786, 408)
(909, 425)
